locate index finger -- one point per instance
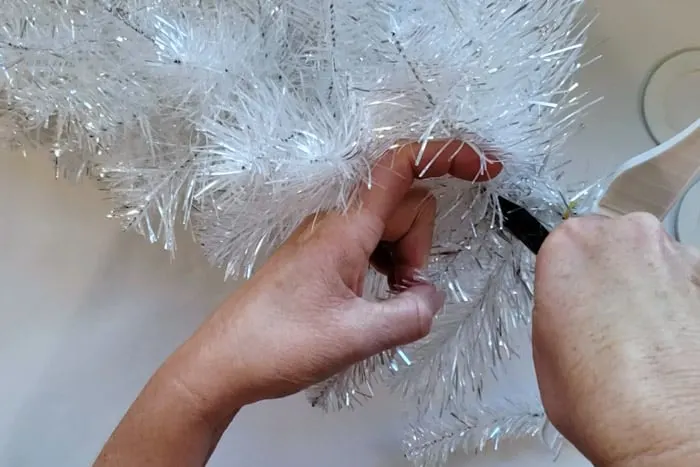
(394, 174)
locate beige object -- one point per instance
(655, 181)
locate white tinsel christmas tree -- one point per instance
(239, 118)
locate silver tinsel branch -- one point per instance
(477, 429)
(240, 118)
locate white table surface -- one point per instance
(87, 312)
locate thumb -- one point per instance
(397, 321)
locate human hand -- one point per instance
(616, 337)
(301, 318)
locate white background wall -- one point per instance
(87, 312)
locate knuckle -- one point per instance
(643, 230)
(413, 323)
(422, 315)
(578, 227)
(576, 231)
(308, 229)
(643, 222)
(560, 251)
(562, 237)
(340, 238)
(345, 254)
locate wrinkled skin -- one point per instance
(301, 318)
(617, 341)
(616, 330)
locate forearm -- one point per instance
(167, 425)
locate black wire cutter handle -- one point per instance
(523, 225)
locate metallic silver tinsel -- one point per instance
(477, 429)
(240, 118)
